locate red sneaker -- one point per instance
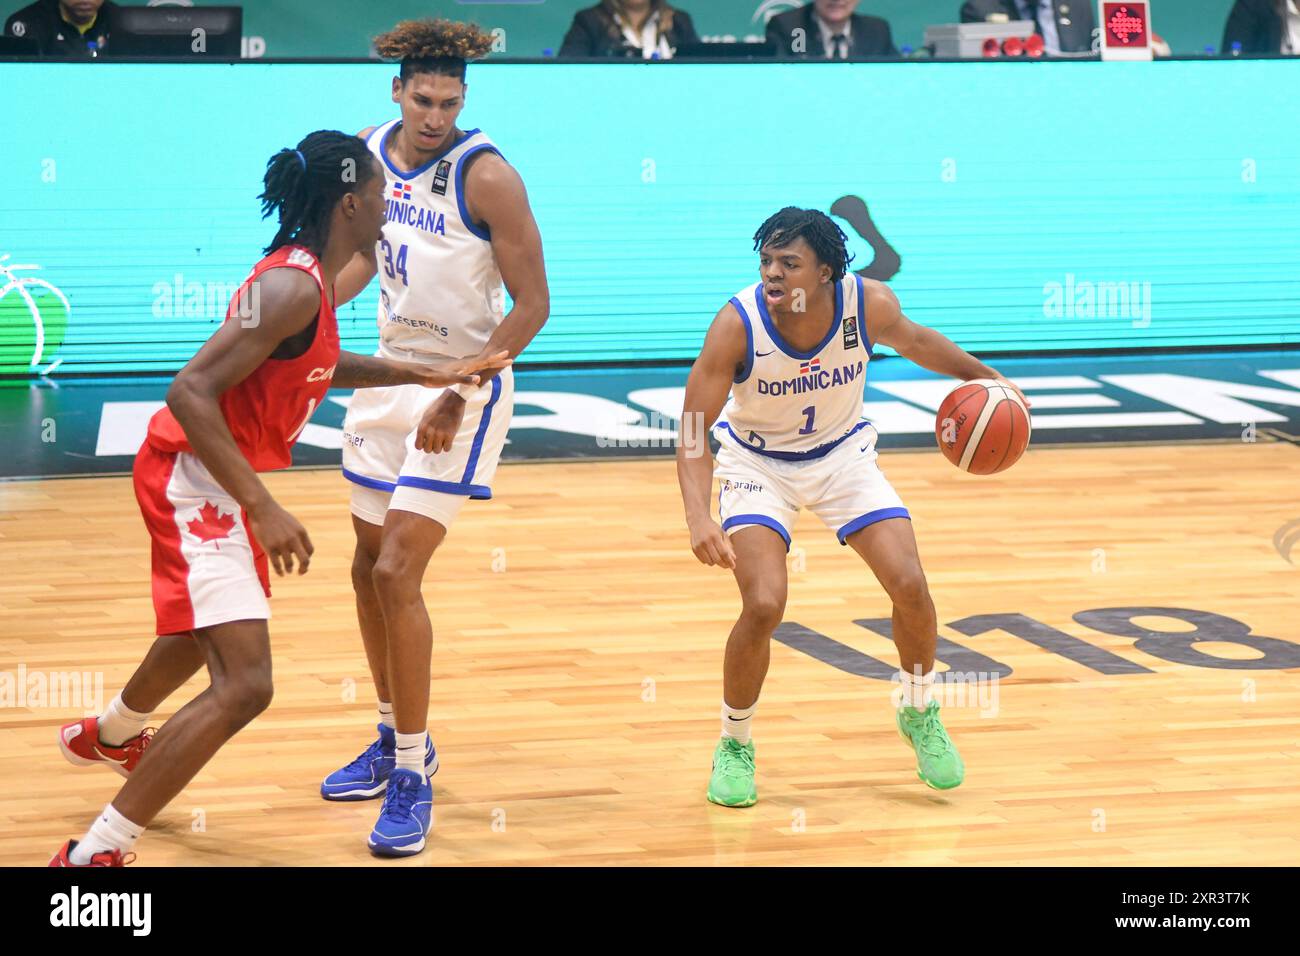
(80, 744)
(107, 858)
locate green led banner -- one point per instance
(1015, 207)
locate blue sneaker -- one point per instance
(405, 817)
(367, 776)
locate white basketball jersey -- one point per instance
(440, 288)
(798, 405)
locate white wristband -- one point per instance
(464, 391)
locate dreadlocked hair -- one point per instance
(433, 46)
(304, 185)
(828, 240)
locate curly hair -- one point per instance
(827, 239)
(434, 46)
(614, 8)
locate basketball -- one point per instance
(982, 427)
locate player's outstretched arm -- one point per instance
(706, 392)
(887, 325)
(288, 300)
(370, 371)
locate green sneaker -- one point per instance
(732, 783)
(937, 762)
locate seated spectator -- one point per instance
(1264, 26)
(70, 28)
(1065, 27)
(830, 30)
(649, 29)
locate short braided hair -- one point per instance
(827, 239)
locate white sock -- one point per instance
(735, 722)
(119, 723)
(111, 831)
(386, 714)
(410, 752)
(916, 692)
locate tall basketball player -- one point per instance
(235, 410)
(458, 225)
(793, 351)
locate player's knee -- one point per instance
(363, 570)
(243, 697)
(260, 693)
(909, 590)
(764, 610)
(393, 580)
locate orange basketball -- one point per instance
(982, 427)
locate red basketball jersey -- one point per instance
(266, 411)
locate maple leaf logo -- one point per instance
(211, 524)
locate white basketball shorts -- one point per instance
(388, 471)
(845, 489)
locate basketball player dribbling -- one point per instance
(459, 224)
(235, 410)
(793, 352)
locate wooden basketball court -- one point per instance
(576, 676)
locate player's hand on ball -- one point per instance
(711, 545)
(282, 537)
(461, 371)
(440, 424)
(1014, 387)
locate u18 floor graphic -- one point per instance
(1176, 647)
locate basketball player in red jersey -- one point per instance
(234, 410)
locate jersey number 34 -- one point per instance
(394, 269)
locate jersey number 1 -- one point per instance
(808, 429)
(311, 407)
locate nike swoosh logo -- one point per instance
(761, 354)
(106, 757)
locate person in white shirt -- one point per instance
(830, 30)
(458, 235)
(779, 382)
(648, 29)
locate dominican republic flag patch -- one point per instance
(807, 368)
(401, 190)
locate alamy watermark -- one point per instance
(64, 690)
(656, 430)
(977, 689)
(181, 299)
(76, 908)
(1077, 298)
